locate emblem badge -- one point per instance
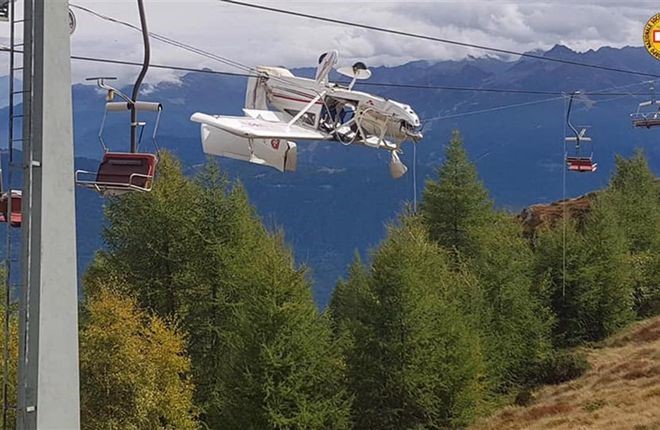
(652, 36)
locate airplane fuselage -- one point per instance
(385, 120)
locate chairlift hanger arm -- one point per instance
(143, 72)
(100, 81)
(568, 117)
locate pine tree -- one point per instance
(349, 296)
(515, 324)
(456, 202)
(634, 194)
(646, 280)
(636, 198)
(416, 361)
(262, 356)
(592, 297)
(609, 270)
(148, 233)
(282, 368)
(134, 370)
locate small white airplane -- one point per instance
(281, 107)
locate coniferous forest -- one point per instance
(197, 316)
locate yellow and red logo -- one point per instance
(652, 36)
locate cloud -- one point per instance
(257, 37)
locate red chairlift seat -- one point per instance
(581, 164)
(120, 172)
(15, 216)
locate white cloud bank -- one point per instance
(257, 37)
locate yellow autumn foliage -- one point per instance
(134, 370)
(13, 360)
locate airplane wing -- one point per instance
(259, 128)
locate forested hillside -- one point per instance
(341, 198)
(197, 315)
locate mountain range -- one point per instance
(341, 198)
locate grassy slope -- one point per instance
(621, 391)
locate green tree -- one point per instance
(282, 369)
(262, 355)
(609, 269)
(149, 236)
(592, 296)
(646, 280)
(456, 203)
(506, 305)
(135, 373)
(414, 360)
(635, 196)
(634, 193)
(348, 297)
(515, 324)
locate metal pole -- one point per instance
(23, 320)
(8, 239)
(143, 72)
(49, 369)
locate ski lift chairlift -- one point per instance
(645, 115)
(578, 162)
(10, 208)
(10, 204)
(121, 172)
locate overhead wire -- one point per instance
(483, 90)
(251, 71)
(501, 146)
(163, 38)
(602, 92)
(236, 64)
(206, 70)
(560, 94)
(424, 120)
(433, 38)
(488, 110)
(135, 63)
(565, 206)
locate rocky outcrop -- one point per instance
(541, 216)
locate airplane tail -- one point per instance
(255, 94)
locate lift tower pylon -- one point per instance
(48, 382)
